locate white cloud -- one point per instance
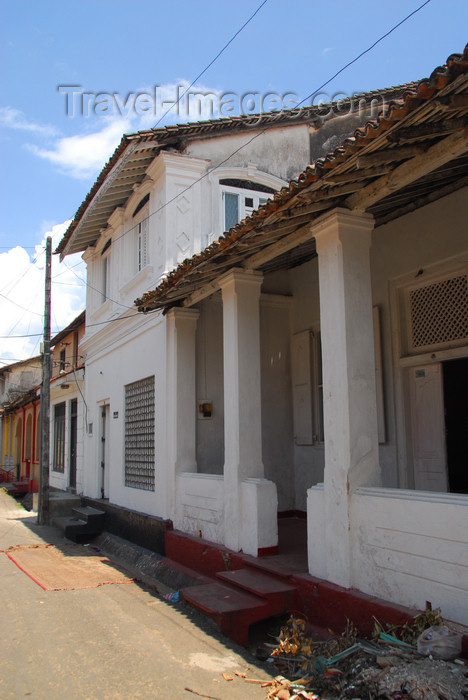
(15, 119)
(176, 103)
(22, 300)
(83, 155)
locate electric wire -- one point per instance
(210, 63)
(29, 311)
(248, 142)
(265, 129)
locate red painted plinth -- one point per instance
(325, 605)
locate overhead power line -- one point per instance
(240, 148)
(211, 62)
(265, 129)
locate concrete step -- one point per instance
(233, 609)
(76, 529)
(278, 593)
(61, 504)
(91, 516)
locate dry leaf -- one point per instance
(228, 677)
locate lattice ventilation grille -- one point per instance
(139, 434)
(439, 312)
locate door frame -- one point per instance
(73, 443)
(103, 458)
(403, 361)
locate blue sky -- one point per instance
(50, 160)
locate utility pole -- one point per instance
(43, 505)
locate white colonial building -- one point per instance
(308, 359)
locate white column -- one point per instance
(181, 399)
(350, 417)
(250, 501)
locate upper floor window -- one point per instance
(142, 244)
(105, 287)
(142, 228)
(63, 354)
(241, 198)
(105, 278)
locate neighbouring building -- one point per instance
(313, 357)
(19, 417)
(67, 408)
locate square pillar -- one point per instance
(181, 399)
(343, 241)
(250, 501)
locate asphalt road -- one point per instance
(113, 641)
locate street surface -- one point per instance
(113, 641)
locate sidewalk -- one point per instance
(114, 641)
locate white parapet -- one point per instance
(410, 547)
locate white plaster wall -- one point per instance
(277, 428)
(412, 546)
(276, 392)
(210, 385)
(283, 152)
(112, 362)
(305, 315)
(200, 502)
(417, 241)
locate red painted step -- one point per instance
(233, 609)
(276, 592)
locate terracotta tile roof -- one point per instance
(128, 164)
(436, 109)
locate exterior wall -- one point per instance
(200, 505)
(210, 386)
(111, 363)
(18, 378)
(176, 231)
(20, 441)
(411, 546)
(276, 392)
(305, 315)
(61, 480)
(277, 428)
(8, 458)
(282, 152)
(416, 242)
(408, 546)
(70, 344)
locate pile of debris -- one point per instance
(418, 660)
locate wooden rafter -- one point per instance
(437, 155)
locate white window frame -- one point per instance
(249, 172)
(243, 209)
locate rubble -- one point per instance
(387, 667)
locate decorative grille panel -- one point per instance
(439, 312)
(139, 434)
